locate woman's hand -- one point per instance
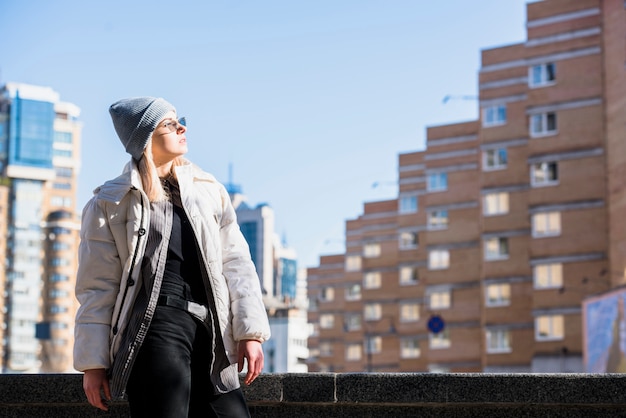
(95, 380)
(252, 351)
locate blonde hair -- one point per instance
(150, 179)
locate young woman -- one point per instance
(170, 302)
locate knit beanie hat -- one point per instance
(135, 119)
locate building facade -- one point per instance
(502, 225)
(39, 164)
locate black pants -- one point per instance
(170, 376)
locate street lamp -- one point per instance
(370, 334)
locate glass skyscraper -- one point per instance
(38, 177)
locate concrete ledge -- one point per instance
(360, 395)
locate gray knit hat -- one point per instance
(135, 119)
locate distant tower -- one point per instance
(39, 163)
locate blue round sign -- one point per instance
(436, 324)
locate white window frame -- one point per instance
(439, 341)
(438, 259)
(496, 203)
(372, 311)
(546, 224)
(373, 344)
(548, 276)
(353, 263)
(498, 294)
(494, 115)
(539, 124)
(408, 204)
(498, 341)
(437, 182)
(327, 321)
(371, 250)
(549, 174)
(553, 327)
(408, 275)
(409, 312)
(372, 280)
(352, 322)
(542, 75)
(501, 247)
(326, 349)
(408, 240)
(439, 299)
(410, 348)
(353, 292)
(437, 219)
(354, 351)
(495, 159)
(327, 294)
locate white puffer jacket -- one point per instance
(114, 229)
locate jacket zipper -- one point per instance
(130, 281)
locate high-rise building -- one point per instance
(39, 163)
(276, 265)
(502, 225)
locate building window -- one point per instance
(409, 312)
(407, 240)
(353, 292)
(327, 321)
(61, 201)
(353, 263)
(409, 348)
(371, 250)
(437, 219)
(496, 248)
(373, 345)
(549, 327)
(440, 340)
(62, 137)
(498, 341)
(437, 182)
(55, 309)
(62, 153)
(408, 204)
(65, 172)
(548, 276)
(542, 75)
(546, 224)
(327, 294)
(326, 349)
(372, 280)
(353, 322)
(58, 293)
(495, 203)
(408, 275)
(59, 278)
(495, 159)
(438, 259)
(544, 174)
(498, 294)
(543, 124)
(372, 311)
(439, 299)
(494, 115)
(353, 352)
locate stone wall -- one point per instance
(360, 395)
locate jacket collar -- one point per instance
(114, 190)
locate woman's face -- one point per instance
(168, 140)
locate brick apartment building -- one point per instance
(502, 226)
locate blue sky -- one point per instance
(310, 101)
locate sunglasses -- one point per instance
(175, 125)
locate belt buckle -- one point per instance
(197, 310)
